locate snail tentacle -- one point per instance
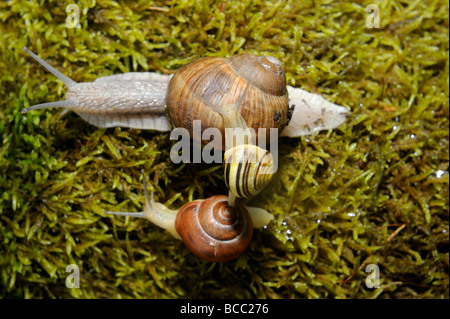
(155, 212)
(129, 214)
(65, 103)
(66, 80)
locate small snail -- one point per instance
(210, 228)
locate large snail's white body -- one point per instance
(312, 113)
(146, 91)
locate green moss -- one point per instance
(374, 191)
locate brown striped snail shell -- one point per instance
(220, 82)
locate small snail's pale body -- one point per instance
(210, 228)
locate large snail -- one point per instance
(244, 91)
(138, 99)
(210, 228)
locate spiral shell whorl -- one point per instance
(247, 170)
(264, 72)
(214, 231)
(226, 226)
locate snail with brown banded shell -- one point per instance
(210, 228)
(138, 99)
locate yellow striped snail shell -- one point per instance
(247, 169)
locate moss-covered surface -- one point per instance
(374, 191)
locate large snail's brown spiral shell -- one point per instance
(213, 230)
(220, 81)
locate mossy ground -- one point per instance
(373, 191)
